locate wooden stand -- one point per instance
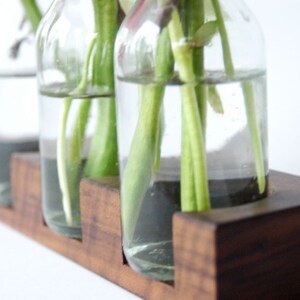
(247, 252)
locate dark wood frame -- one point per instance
(246, 252)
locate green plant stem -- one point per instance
(191, 116)
(193, 19)
(249, 100)
(197, 145)
(144, 156)
(69, 166)
(61, 161)
(32, 12)
(187, 176)
(139, 167)
(103, 155)
(74, 159)
(187, 180)
(163, 72)
(106, 26)
(214, 99)
(255, 134)
(97, 70)
(224, 39)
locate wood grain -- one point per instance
(246, 252)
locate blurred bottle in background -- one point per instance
(18, 96)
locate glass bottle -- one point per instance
(77, 107)
(192, 119)
(18, 97)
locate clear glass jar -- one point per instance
(77, 106)
(18, 97)
(192, 119)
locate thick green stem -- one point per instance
(106, 26)
(103, 155)
(192, 19)
(197, 145)
(139, 166)
(144, 156)
(164, 58)
(191, 117)
(187, 181)
(182, 53)
(33, 13)
(249, 99)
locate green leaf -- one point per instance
(214, 100)
(204, 34)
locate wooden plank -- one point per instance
(248, 252)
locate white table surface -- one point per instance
(30, 271)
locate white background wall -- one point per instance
(281, 25)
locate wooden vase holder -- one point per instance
(246, 252)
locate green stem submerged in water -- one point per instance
(102, 159)
(145, 148)
(255, 134)
(191, 118)
(103, 155)
(61, 161)
(248, 92)
(68, 166)
(144, 157)
(193, 19)
(139, 167)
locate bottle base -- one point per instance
(58, 224)
(153, 260)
